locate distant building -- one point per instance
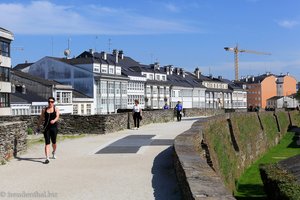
(286, 85)
(282, 102)
(259, 89)
(35, 91)
(114, 81)
(5, 64)
(268, 87)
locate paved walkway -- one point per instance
(129, 164)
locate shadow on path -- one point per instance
(164, 181)
(30, 159)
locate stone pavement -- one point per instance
(129, 164)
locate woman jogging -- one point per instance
(50, 116)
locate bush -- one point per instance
(278, 183)
(29, 131)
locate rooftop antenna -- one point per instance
(151, 56)
(52, 45)
(96, 38)
(109, 43)
(67, 51)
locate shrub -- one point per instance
(278, 183)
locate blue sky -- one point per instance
(186, 34)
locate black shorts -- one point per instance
(50, 133)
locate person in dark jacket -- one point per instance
(179, 109)
(49, 116)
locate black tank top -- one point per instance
(48, 118)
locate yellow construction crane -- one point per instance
(236, 51)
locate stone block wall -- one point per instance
(96, 124)
(192, 112)
(13, 139)
(218, 149)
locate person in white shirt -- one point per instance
(137, 114)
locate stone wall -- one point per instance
(101, 124)
(13, 139)
(192, 112)
(217, 150)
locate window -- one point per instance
(111, 88)
(97, 69)
(111, 70)
(4, 100)
(82, 108)
(163, 78)
(157, 77)
(104, 69)
(4, 49)
(63, 97)
(75, 109)
(118, 90)
(151, 76)
(118, 70)
(103, 87)
(124, 88)
(4, 74)
(88, 109)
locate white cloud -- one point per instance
(171, 7)
(44, 17)
(288, 23)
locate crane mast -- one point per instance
(236, 52)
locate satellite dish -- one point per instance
(67, 52)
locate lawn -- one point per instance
(250, 186)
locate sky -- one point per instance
(186, 34)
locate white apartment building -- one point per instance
(5, 65)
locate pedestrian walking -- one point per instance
(49, 116)
(166, 107)
(137, 114)
(178, 109)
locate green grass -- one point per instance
(249, 185)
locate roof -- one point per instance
(22, 66)
(4, 33)
(257, 79)
(34, 78)
(77, 94)
(233, 84)
(26, 98)
(274, 98)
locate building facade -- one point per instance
(35, 91)
(5, 65)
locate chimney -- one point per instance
(220, 77)
(121, 54)
(197, 72)
(167, 69)
(156, 65)
(182, 72)
(13, 88)
(91, 51)
(103, 55)
(253, 78)
(177, 71)
(116, 54)
(23, 89)
(171, 69)
(246, 79)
